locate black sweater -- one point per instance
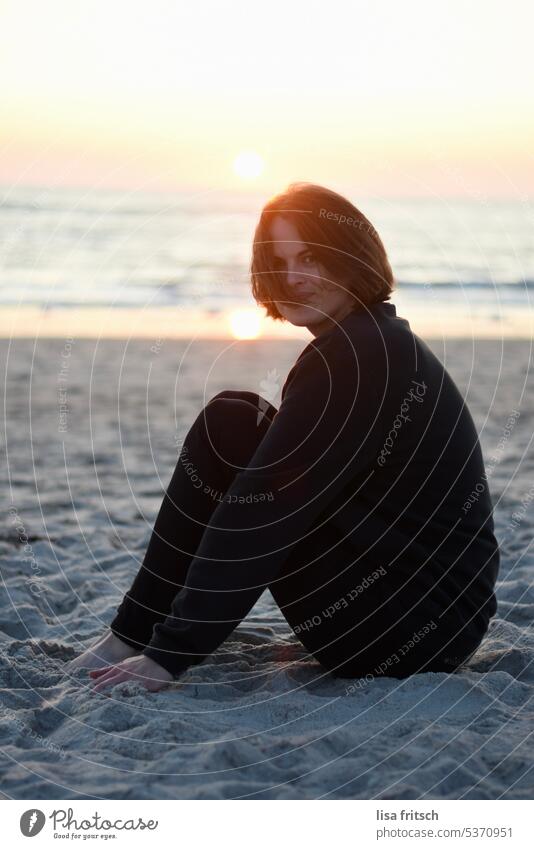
(372, 436)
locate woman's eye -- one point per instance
(280, 265)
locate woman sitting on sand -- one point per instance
(353, 503)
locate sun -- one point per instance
(245, 323)
(248, 164)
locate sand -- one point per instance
(91, 436)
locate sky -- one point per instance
(395, 99)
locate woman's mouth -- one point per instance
(301, 299)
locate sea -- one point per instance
(64, 248)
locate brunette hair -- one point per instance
(342, 239)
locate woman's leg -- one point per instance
(359, 619)
(218, 445)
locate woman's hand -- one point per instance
(139, 668)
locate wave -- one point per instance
(469, 284)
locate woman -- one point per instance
(348, 503)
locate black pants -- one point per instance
(352, 618)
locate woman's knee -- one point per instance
(233, 426)
(242, 404)
(239, 394)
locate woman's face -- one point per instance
(317, 302)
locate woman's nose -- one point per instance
(294, 277)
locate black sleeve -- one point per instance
(324, 433)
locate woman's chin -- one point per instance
(303, 316)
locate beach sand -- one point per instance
(91, 436)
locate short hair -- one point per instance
(343, 240)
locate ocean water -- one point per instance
(88, 248)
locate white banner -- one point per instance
(234, 824)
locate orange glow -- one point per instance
(248, 164)
(245, 324)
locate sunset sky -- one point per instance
(411, 98)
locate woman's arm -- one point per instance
(326, 432)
